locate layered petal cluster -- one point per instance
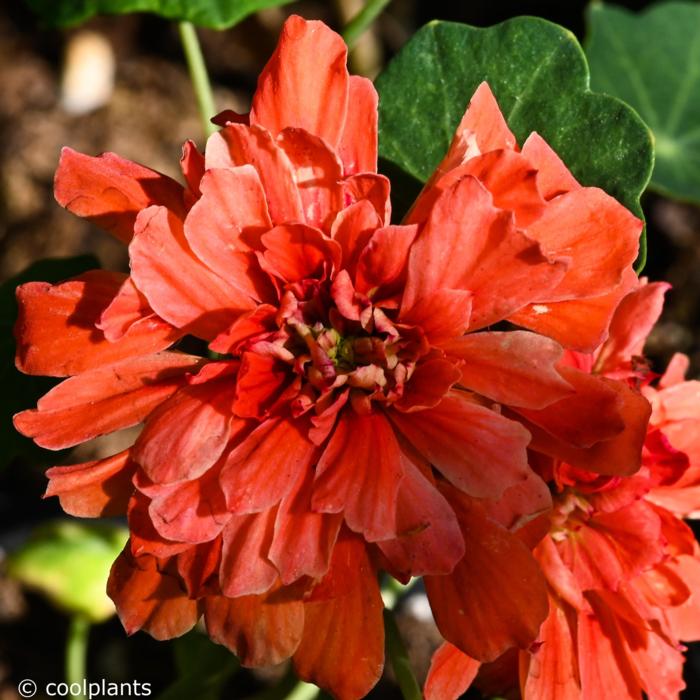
(622, 568)
(320, 392)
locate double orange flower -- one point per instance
(622, 568)
(322, 393)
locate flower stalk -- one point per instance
(396, 651)
(392, 590)
(304, 691)
(76, 651)
(198, 75)
(362, 20)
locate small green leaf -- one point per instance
(538, 73)
(216, 14)
(203, 668)
(69, 563)
(652, 61)
(19, 390)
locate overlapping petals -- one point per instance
(556, 215)
(621, 566)
(346, 406)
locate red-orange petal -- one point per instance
(612, 446)
(428, 384)
(342, 649)
(521, 504)
(451, 673)
(189, 511)
(496, 597)
(578, 324)
(260, 382)
(467, 243)
(383, 262)
(482, 129)
(358, 144)
(551, 671)
(459, 437)
(245, 568)
(596, 232)
(261, 630)
(515, 368)
(225, 225)
(110, 191)
(127, 308)
(614, 547)
(506, 174)
(429, 539)
(233, 205)
(149, 598)
(441, 315)
(559, 576)
(604, 666)
(145, 539)
(372, 187)
(352, 229)
(295, 252)
(685, 618)
(101, 488)
(359, 474)
(261, 470)
(553, 177)
(634, 318)
(57, 332)
(202, 414)
(192, 167)
(104, 400)
(585, 417)
(179, 287)
(198, 568)
(303, 540)
(305, 82)
(246, 327)
(317, 175)
(237, 145)
(485, 119)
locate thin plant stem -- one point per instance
(76, 651)
(642, 255)
(304, 691)
(289, 688)
(198, 75)
(396, 651)
(362, 20)
(392, 590)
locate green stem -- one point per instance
(289, 688)
(642, 256)
(198, 75)
(392, 590)
(76, 651)
(304, 691)
(360, 22)
(396, 651)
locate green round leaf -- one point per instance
(69, 563)
(217, 14)
(538, 72)
(652, 61)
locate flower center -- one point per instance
(338, 348)
(331, 358)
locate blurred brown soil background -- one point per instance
(149, 113)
